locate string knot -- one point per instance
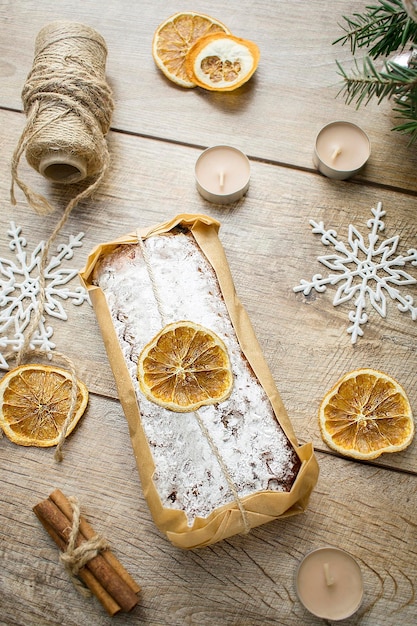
(74, 558)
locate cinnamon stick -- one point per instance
(87, 532)
(58, 525)
(86, 576)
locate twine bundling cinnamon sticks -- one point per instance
(86, 555)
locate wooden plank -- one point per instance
(158, 132)
(246, 580)
(275, 117)
(270, 248)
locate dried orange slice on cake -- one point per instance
(173, 39)
(185, 366)
(34, 403)
(365, 414)
(221, 61)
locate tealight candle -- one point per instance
(341, 150)
(222, 174)
(329, 583)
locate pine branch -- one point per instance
(406, 106)
(383, 28)
(407, 128)
(393, 81)
(368, 82)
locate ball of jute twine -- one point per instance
(68, 106)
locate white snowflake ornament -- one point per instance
(19, 292)
(364, 271)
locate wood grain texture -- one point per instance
(270, 248)
(369, 509)
(244, 580)
(274, 117)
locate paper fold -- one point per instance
(260, 507)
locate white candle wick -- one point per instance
(328, 575)
(336, 152)
(221, 179)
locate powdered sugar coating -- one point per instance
(246, 433)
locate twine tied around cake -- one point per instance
(202, 426)
(68, 106)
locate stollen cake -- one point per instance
(225, 466)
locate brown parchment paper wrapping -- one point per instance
(260, 507)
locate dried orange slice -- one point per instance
(34, 403)
(174, 37)
(184, 367)
(221, 62)
(365, 414)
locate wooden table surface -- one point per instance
(158, 131)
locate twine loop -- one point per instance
(74, 558)
(20, 356)
(68, 105)
(79, 89)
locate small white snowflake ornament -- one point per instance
(365, 272)
(19, 292)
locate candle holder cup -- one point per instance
(341, 150)
(222, 174)
(329, 583)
